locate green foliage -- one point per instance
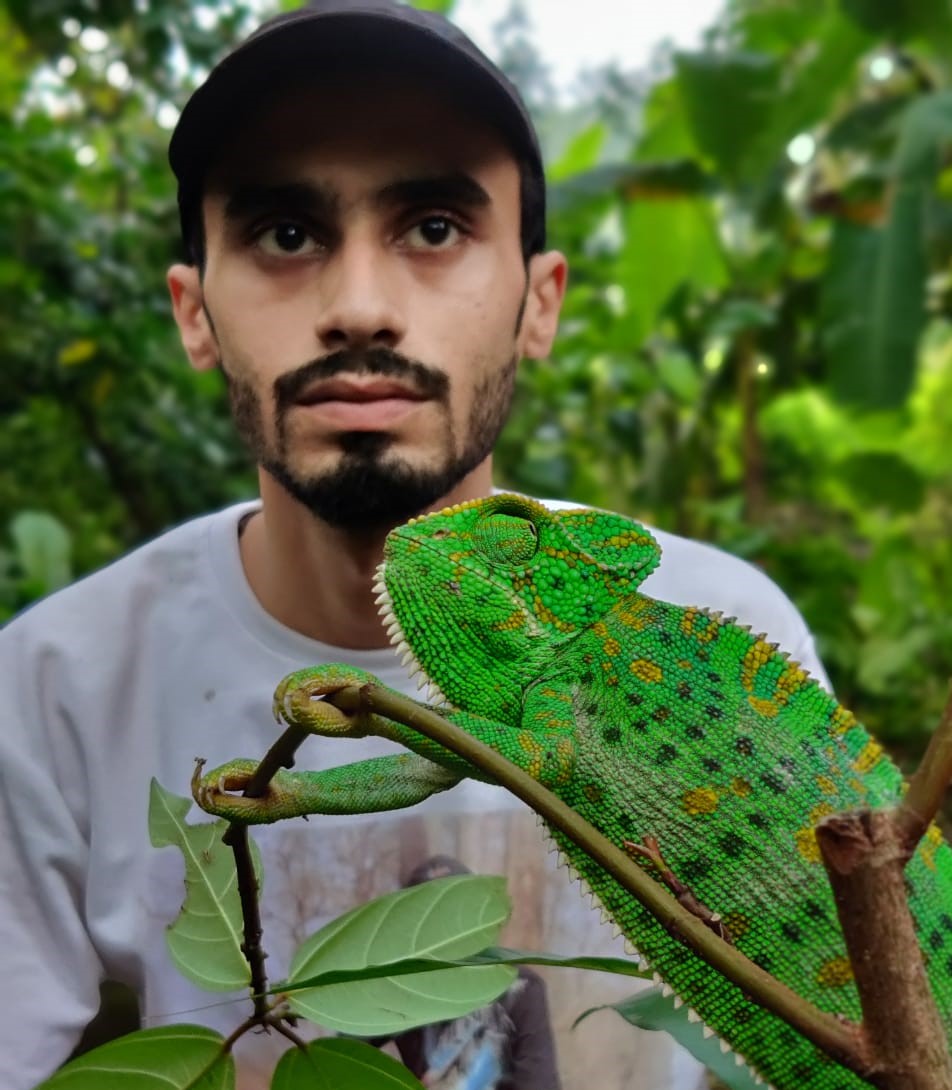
(449, 918)
(651, 1010)
(205, 942)
(340, 1065)
(163, 1058)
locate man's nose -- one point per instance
(359, 299)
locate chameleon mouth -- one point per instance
(401, 645)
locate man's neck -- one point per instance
(316, 579)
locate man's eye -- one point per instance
(433, 233)
(286, 239)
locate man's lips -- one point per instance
(351, 405)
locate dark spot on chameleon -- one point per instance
(742, 1015)
(666, 753)
(814, 911)
(945, 921)
(702, 654)
(558, 583)
(788, 763)
(731, 844)
(660, 714)
(775, 783)
(588, 658)
(635, 699)
(802, 1072)
(666, 638)
(713, 675)
(625, 822)
(684, 690)
(711, 764)
(808, 748)
(744, 745)
(696, 731)
(717, 696)
(791, 932)
(714, 712)
(612, 735)
(588, 610)
(758, 821)
(789, 1040)
(587, 677)
(640, 725)
(936, 940)
(693, 869)
(764, 960)
(454, 588)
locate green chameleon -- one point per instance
(656, 723)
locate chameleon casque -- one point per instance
(648, 719)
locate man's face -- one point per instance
(364, 286)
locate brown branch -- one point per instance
(280, 755)
(927, 786)
(837, 1038)
(903, 1037)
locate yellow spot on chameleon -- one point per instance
(741, 787)
(826, 785)
(600, 628)
(835, 972)
(868, 757)
(685, 664)
(757, 654)
(701, 800)
(646, 671)
(792, 680)
(930, 842)
(737, 923)
(806, 838)
(611, 647)
(766, 708)
(512, 623)
(842, 721)
(594, 794)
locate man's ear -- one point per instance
(198, 338)
(547, 278)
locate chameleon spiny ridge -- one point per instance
(650, 720)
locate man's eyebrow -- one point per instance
(457, 189)
(252, 198)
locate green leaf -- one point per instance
(448, 918)
(728, 98)
(901, 19)
(492, 955)
(205, 941)
(883, 479)
(162, 1058)
(873, 298)
(681, 237)
(43, 548)
(339, 1064)
(650, 1010)
(581, 154)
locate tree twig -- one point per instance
(927, 786)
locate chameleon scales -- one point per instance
(656, 723)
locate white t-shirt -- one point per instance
(166, 655)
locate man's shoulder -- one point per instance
(157, 566)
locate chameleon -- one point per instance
(659, 724)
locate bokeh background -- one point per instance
(757, 341)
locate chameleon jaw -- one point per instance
(400, 644)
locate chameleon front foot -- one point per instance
(650, 851)
(298, 701)
(218, 793)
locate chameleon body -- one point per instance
(650, 720)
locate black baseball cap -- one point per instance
(326, 35)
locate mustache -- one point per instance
(426, 380)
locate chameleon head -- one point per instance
(482, 593)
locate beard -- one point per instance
(371, 489)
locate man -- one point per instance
(362, 199)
